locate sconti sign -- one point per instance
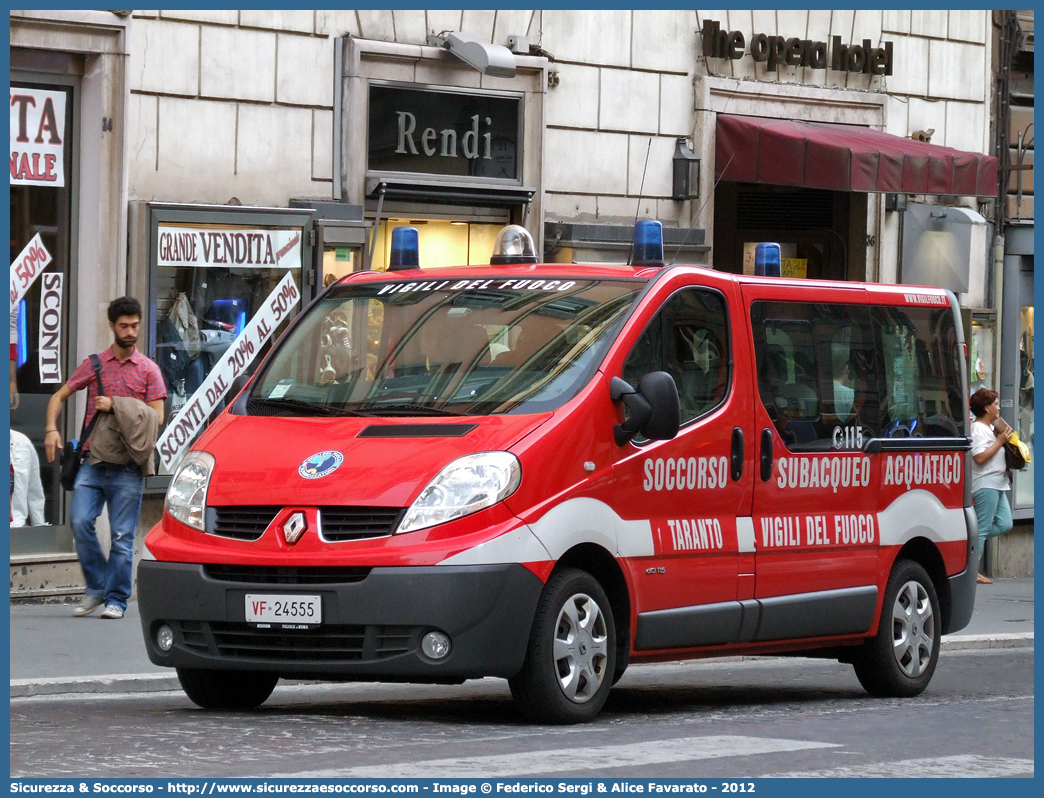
(776, 50)
(443, 133)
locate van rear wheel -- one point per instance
(226, 689)
(571, 656)
(900, 660)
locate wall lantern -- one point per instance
(489, 59)
(686, 184)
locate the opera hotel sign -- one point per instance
(444, 133)
(776, 51)
(37, 137)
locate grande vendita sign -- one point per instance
(232, 247)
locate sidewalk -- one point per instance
(53, 652)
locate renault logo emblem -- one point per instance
(294, 527)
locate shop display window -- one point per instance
(1024, 479)
(982, 373)
(442, 242)
(40, 350)
(209, 280)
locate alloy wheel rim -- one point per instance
(581, 648)
(913, 629)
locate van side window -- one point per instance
(922, 373)
(892, 372)
(689, 339)
(814, 365)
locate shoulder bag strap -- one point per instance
(87, 429)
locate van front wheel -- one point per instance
(226, 689)
(900, 660)
(571, 656)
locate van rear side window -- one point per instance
(891, 372)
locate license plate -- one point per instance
(285, 611)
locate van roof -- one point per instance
(621, 271)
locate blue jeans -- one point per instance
(120, 487)
(994, 513)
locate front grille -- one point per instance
(194, 636)
(339, 524)
(239, 523)
(332, 643)
(241, 640)
(357, 523)
(287, 574)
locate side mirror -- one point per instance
(653, 409)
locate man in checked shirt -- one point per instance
(125, 372)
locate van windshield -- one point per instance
(443, 347)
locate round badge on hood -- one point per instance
(320, 465)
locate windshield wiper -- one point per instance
(376, 409)
(302, 405)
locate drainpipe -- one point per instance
(998, 305)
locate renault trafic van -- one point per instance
(548, 472)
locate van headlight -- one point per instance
(187, 495)
(465, 486)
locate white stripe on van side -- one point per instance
(920, 514)
(518, 545)
(573, 522)
(591, 521)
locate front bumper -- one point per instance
(371, 627)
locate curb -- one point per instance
(162, 682)
(123, 683)
(979, 642)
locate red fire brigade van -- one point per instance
(546, 472)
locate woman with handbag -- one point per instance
(990, 484)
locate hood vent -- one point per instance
(417, 430)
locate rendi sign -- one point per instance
(776, 50)
(443, 133)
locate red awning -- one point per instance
(845, 158)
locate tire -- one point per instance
(900, 660)
(571, 657)
(618, 673)
(226, 689)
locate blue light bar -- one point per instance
(240, 323)
(405, 249)
(767, 260)
(648, 243)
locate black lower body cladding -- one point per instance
(371, 627)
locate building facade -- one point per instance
(211, 158)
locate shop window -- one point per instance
(442, 243)
(41, 205)
(688, 339)
(214, 275)
(339, 262)
(199, 313)
(1024, 478)
(982, 373)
